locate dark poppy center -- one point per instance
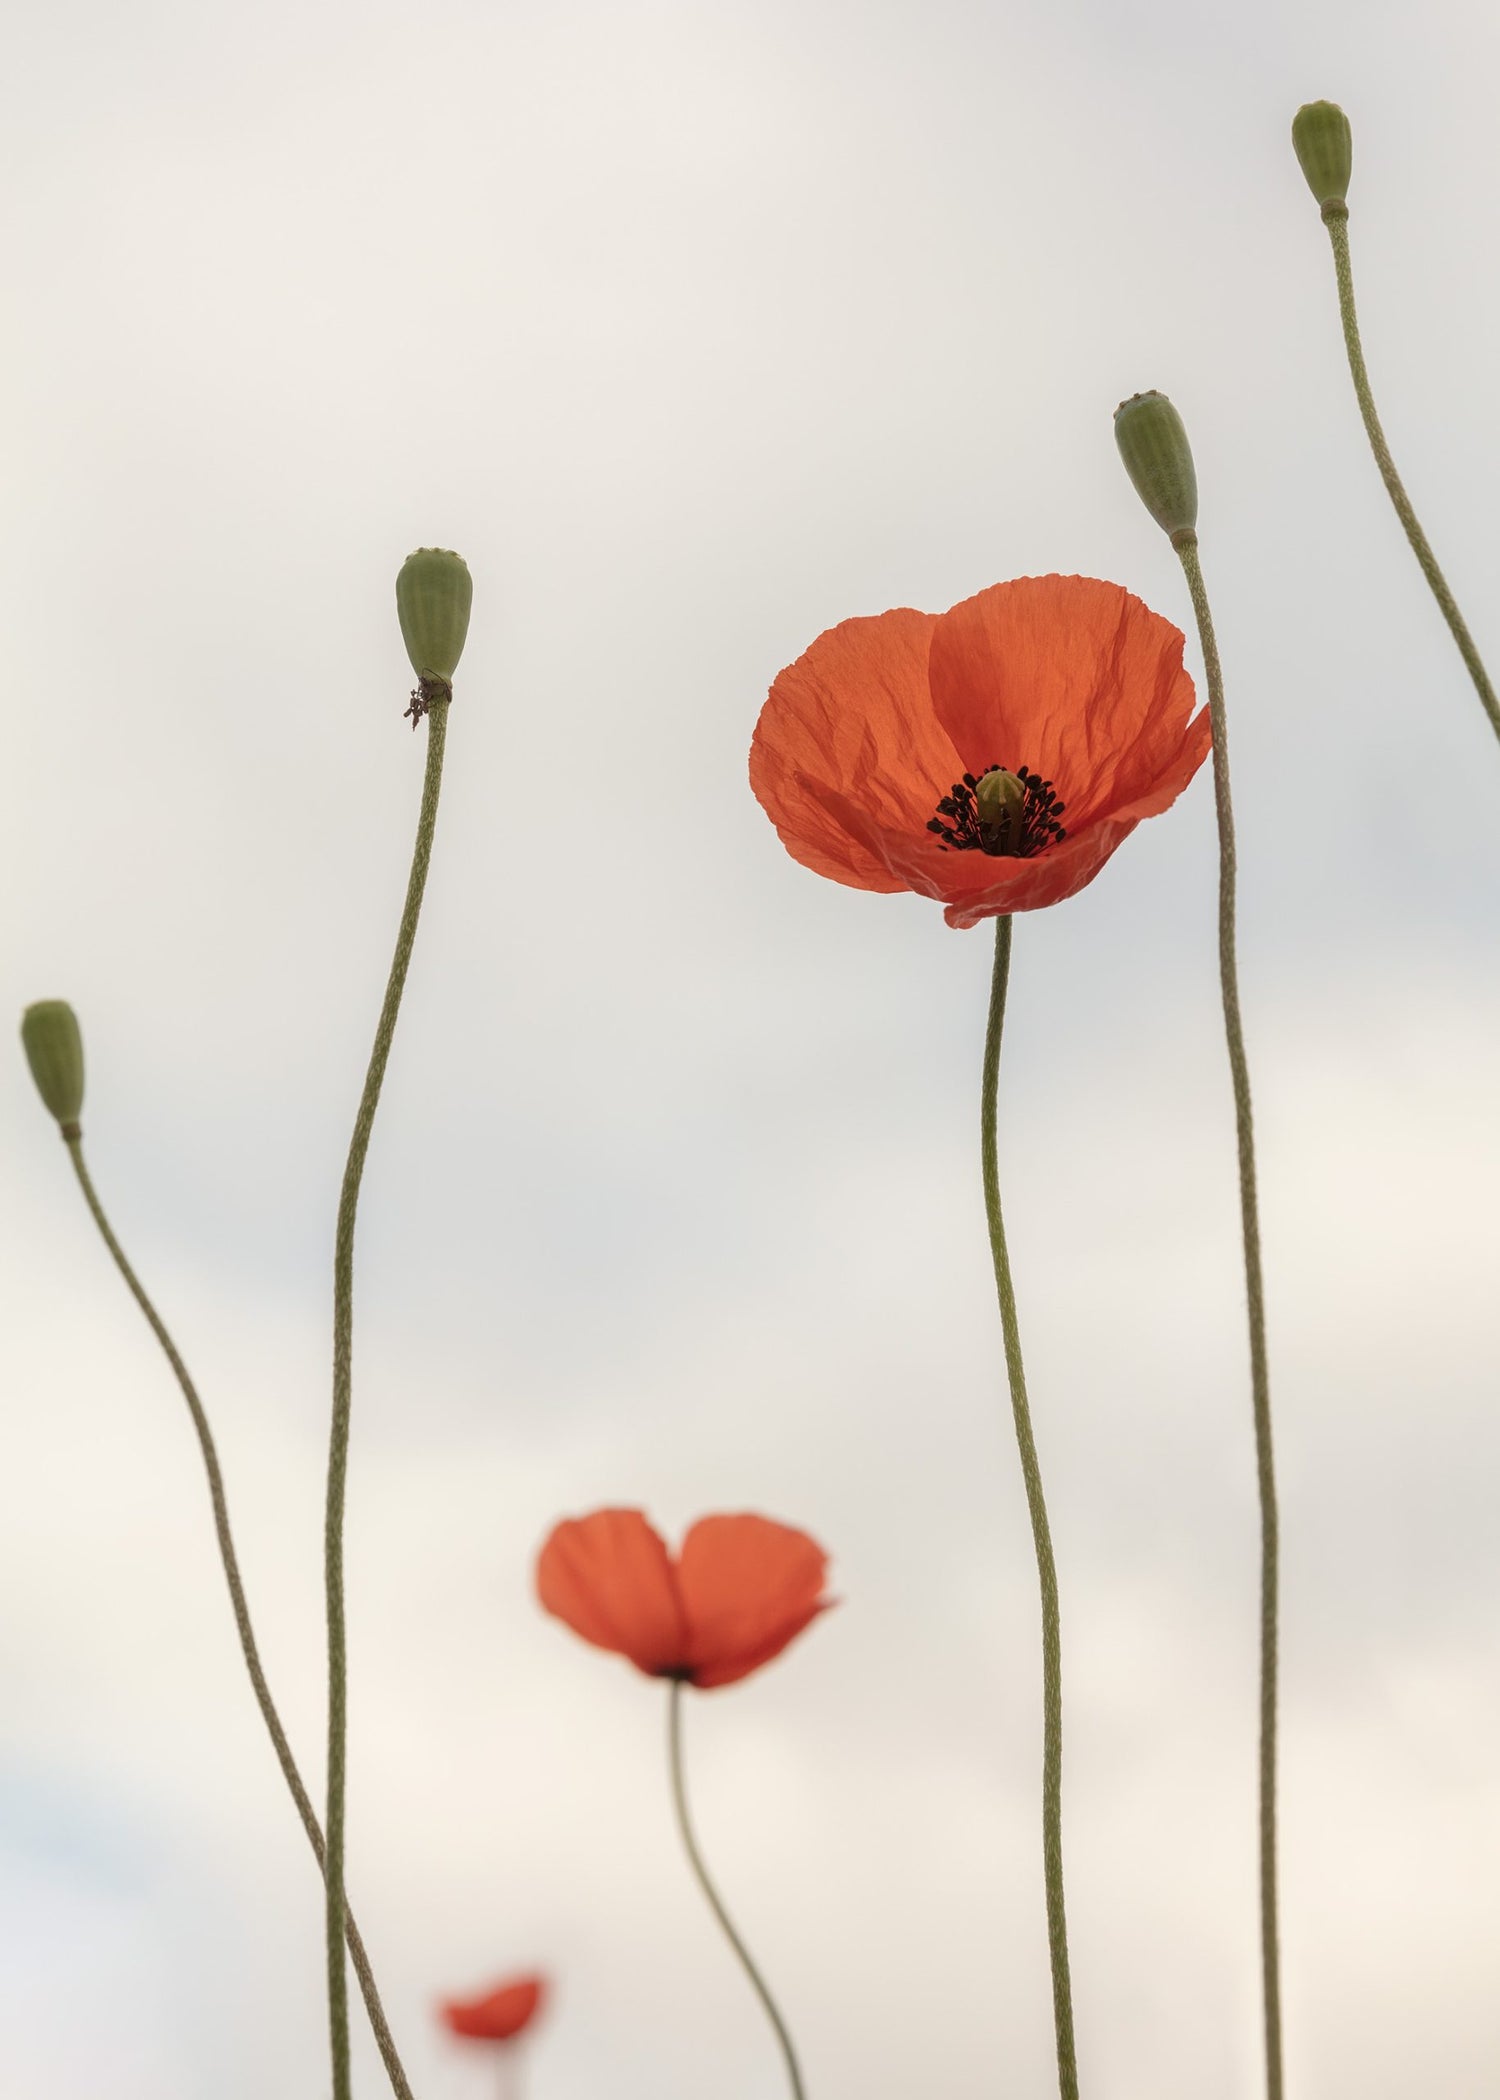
(999, 812)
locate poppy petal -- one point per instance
(748, 1588)
(1072, 677)
(610, 1578)
(1162, 790)
(847, 740)
(498, 2015)
(1004, 887)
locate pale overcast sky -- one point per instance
(697, 328)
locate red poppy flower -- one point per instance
(992, 757)
(740, 1591)
(497, 2015)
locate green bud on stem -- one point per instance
(54, 1051)
(433, 594)
(1325, 148)
(1159, 461)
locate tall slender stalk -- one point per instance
(1186, 544)
(435, 704)
(715, 1903)
(250, 1650)
(1336, 219)
(1041, 1533)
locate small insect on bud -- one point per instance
(54, 1051)
(433, 594)
(1325, 147)
(1159, 460)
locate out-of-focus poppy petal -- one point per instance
(610, 1578)
(1070, 676)
(850, 725)
(498, 2015)
(748, 1588)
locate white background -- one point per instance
(696, 329)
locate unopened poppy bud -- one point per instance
(1159, 460)
(433, 594)
(1325, 148)
(54, 1051)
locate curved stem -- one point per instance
(695, 1861)
(1052, 1861)
(1336, 218)
(343, 1338)
(1260, 1385)
(241, 1609)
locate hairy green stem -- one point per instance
(1186, 544)
(695, 1861)
(1052, 1858)
(343, 1345)
(251, 1652)
(1336, 219)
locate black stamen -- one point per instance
(1020, 835)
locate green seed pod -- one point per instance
(54, 1051)
(1159, 460)
(433, 594)
(1000, 800)
(1325, 147)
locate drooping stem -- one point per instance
(695, 1861)
(343, 1338)
(241, 1609)
(1336, 218)
(1260, 1384)
(1052, 1859)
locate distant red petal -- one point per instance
(499, 2015)
(748, 1587)
(610, 1578)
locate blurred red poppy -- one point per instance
(740, 1590)
(872, 752)
(497, 2015)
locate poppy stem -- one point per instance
(251, 1652)
(1052, 1862)
(695, 1861)
(1336, 219)
(1260, 1388)
(338, 1445)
